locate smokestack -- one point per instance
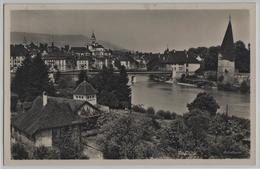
(44, 98)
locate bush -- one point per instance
(43, 152)
(204, 102)
(63, 83)
(150, 111)
(161, 114)
(138, 108)
(19, 152)
(221, 78)
(244, 87)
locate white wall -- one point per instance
(225, 65)
(90, 98)
(43, 138)
(192, 67)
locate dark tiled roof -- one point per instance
(79, 50)
(179, 57)
(85, 88)
(58, 55)
(83, 58)
(57, 112)
(18, 50)
(227, 46)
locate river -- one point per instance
(174, 97)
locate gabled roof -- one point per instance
(227, 46)
(57, 112)
(85, 88)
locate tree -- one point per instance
(82, 76)
(171, 137)
(45, 153)
(242, 60)
(32, 79)
(19, 152)
(117, 64)
(198, 122)
(57, 76)
(125, 137)
(109, 99)
(123, 90)
(211, 59)
(245, 87)
(111, 85)
(204, 102)
(153, 63)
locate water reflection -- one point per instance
(175, 98)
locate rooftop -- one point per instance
(85, 88)
(179, 57)
(227, 46)
(57, 112)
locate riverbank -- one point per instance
(174, 97)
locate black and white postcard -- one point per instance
(129, 84)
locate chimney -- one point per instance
(44, 98)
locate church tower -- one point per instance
(93, 38)
(226, 57)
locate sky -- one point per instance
(142, 30)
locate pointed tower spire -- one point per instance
(227, 46)
(24, 40)
(93, 37)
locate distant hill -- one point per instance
(59, 39)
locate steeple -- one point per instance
(24, 41)
(93, 37)
(227, 46)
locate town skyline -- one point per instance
(134, 34)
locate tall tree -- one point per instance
(123, 90)
(211, 59)
(242, 61)
(32, 79)
(82, 76)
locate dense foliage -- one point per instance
(112, 87)
(81, 77)
(19, 152)
(199, 133)
(204, 102)
(32, 79)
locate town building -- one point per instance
(80, 51)
(179, 62)
(124, 59)
(96, 49)
(54, 122)
(18, 54)
(85, 92)
(82, 62)
(226, 57)
(61, 61)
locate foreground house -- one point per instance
(54, 123)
